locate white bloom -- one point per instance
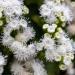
(2, 63)
(14, 24)
(57, 35)
(39, 46)
(59, 14)
(31, 67)
(62, 18)
(67, 60)
(45, 26)
(58, 45)
(52, 28)
(18, 44)
(12, 7)
(38, 68)
(23, 53)
(57, 57)
(66, 13)
(18, 69)
(7, 41)
(49, 9)
(59, 29)
(23, 23)
(29, 33)
(44, 10)
(67, 43)
(58, 1)
(63, 67)
(48, 42)
(70, 55)
(25, 10)
(49, 55)
(2, 60)
(61, 49)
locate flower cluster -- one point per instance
(21, 44)
(2, 63)
(56, 42)
(11, 9)
(19, 36)
(52, 10)
(18, 44)
(31, 67)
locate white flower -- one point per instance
(7, 42)
(58, 1)
(57, 57)
(29, 33)
(63, 67)
(44, 10)
(18, 44)
(61, 49)
(67, 60)
(13, 24)
(2, 60)
(23, 23)
(12, 7)
(57, 35)
(38, 68)
(25, 10)
(58, 14)
(2, 63)
(21, 52)
(66, 13)
(52, 28)
(31, 67)
(49, 55)
(18, 69)
(50, 8)
(70, 55)
(48, 42)
(59, 29)
(45, 26)
(39, 46)
(62, 18)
